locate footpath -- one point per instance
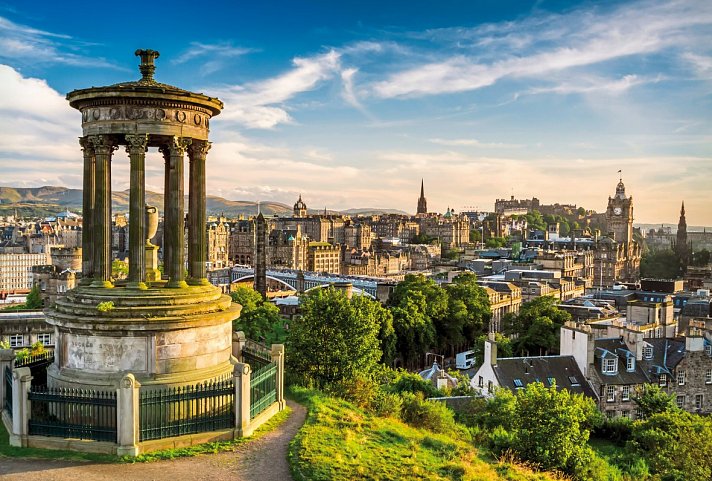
(264, 459)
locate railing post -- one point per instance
(238, 343)
(127, 416)
(241, 374)
(278, 360)
(21, 379)
(6, 358)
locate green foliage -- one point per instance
(495, 242)
(4, 344)
(653, 400)
(504, 347)
(119, 269)
(468, 312)
(422, 238)
(106, 306)
(537, 326)
(700, 258)
(406, 382)
(336, 339)
(475, 235)
(535, 220)
(37, 348)
(430, 415)
(675, 444)
(259, 319)
(660, 265)
(34, 299)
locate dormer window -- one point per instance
(648, 352)
(708, 349)
(630, 364)
(610, 366)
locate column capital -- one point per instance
(86, 146)
(136, 143)
(199, 149)
(102, 144)
(176, 146)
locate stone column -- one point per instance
(101, 233)
(238, 343)
(166, 211)
(21, 379)
(136, 148)
(278, 359)
(197, 243)
(241, 374)
(88, 196)
(127, 414)
(174, 220)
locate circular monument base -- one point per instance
(164, 337)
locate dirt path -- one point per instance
(262, 460)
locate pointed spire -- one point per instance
(422, 188)
(682, 209)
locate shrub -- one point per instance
(617, 430)
(105, 306)
(501, 441)
(430, 415)
(360, 390)
(406, 382)
(386, 404)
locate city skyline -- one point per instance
(354, 104)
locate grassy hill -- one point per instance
(341, 442)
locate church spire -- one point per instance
(422, 203)
(682, 250)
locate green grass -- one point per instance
(340, 442)
(208, 448)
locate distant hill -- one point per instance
(373, 211)
(48, 200)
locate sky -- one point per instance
(352, 103)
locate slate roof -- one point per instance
(616, 347)
(513, 371)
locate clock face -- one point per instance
(617, 211)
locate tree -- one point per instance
(660, 265)
(701, 258)
(676, 445)
(551, 428)
(119, 269)
(259, 320)
(34, 299)
(336, 339)
(653, 400)
(468, 312)
(536, 327)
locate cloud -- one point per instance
(588, 84)
(473, 143)
(27, 45)
(536, 48)
(261, 104)
(213, 56)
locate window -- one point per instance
(708, 376)
(680, 401)
(625, 393)
(480, 382)
(638, 413)
(551, 380)
(489, 386)
(17, 340)
(708, 349)
(648, 352)
(611, 414)
(681, 378)
(609, 365)
(625, 414)
(662, 381)
(518, 383)
(630, 363)
(45, 339)
(573, 381)
(610, 393)
(698, 401)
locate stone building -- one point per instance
(621, 360)
(504, 298)
(23, 328)
(218, 234)
(287, 249)
(324, 257)
(451, 230)
(617, 256)
(241, 242)
(357, 235)
(422, 202)
(16, 270)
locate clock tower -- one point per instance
(619, 216)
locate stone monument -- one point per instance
(166, 332)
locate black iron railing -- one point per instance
(165, 413)
(7, 379)
(263, 388)
(73, 413)
(256, 355)
(46, 357)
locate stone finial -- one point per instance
(147, 66)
